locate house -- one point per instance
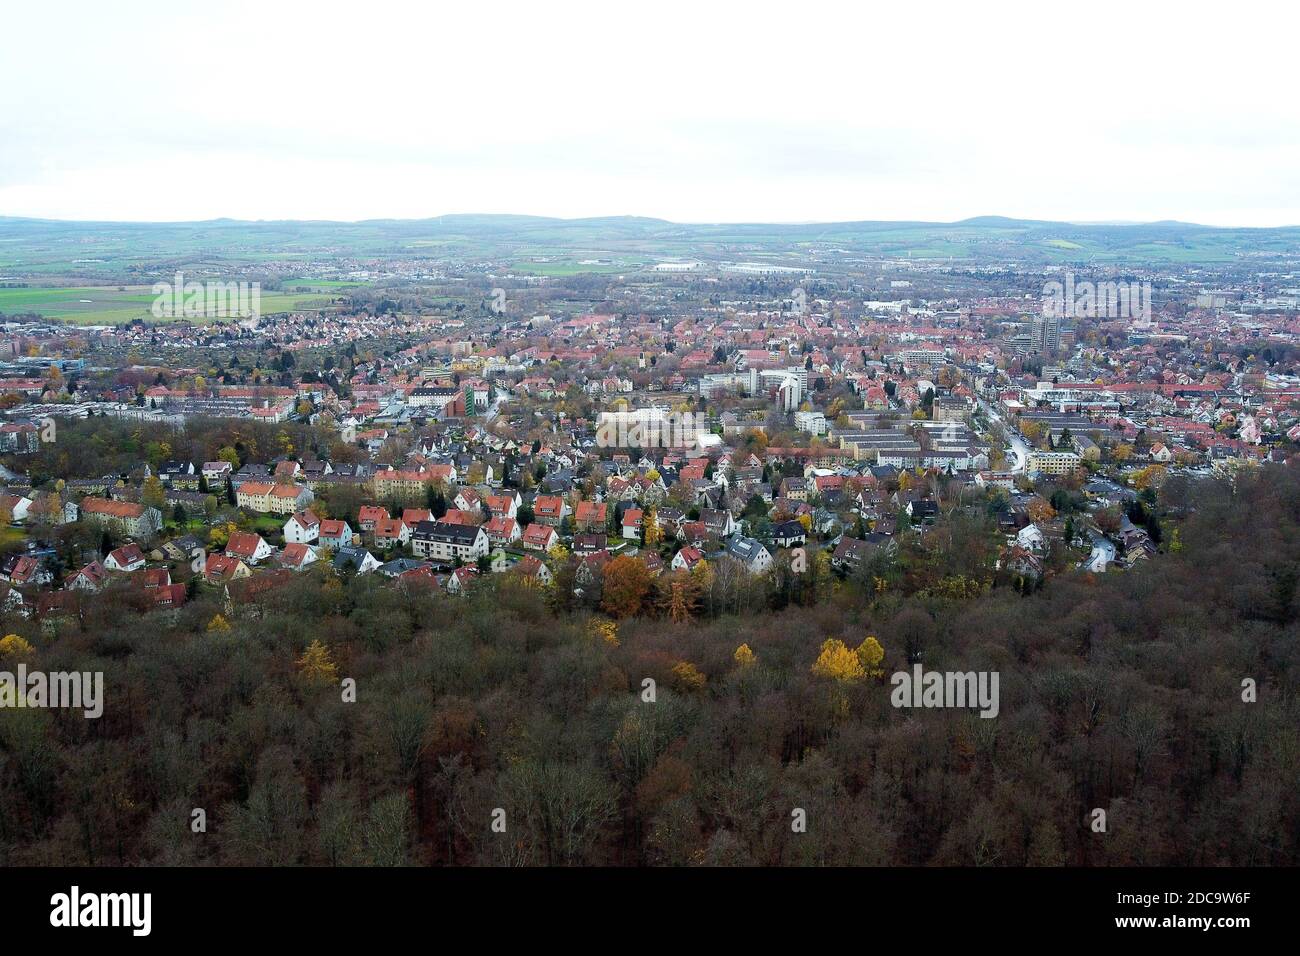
(796, 489)
(126, 558)
(502, 530)
(178, 474)
(686, 559)
(216, 471)
(467, 499)
(89, 578)
(220, 569)
(718, 524)
(413, 516)
(166, 595)
(459, 579)
(368, 515)
(12, 601)
(248, 547)
(128, 518)
(851, 553)
(16, 507)
(24, 569)
(591, 568)
(182, 548)
(1020, 562)
(440, 541)
(399, 566)
(632, 519)
(391, 533)
(334, 533)
(550, 510)
(405, 485)
(1031, 539)
(302, 528)
(1160, 452)
(922, 509)
(789, 534)
(507, 505)
(539, 537)
(588, 543)
(533, 570)
(152, 578)
(590, 516)
(295, 557)
(357, 560)
(266, 497)
(250, 472)
(694, 533)
(460, 516)
(750, 553)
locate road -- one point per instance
(1103, 553)
(1019, 448)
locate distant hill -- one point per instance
(117, 248)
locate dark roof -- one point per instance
(444, 531)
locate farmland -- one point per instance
(114, 305)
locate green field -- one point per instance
(568, 267)
(328, 286)
(113, 305)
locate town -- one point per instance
(901, 425)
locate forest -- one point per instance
(357, 721)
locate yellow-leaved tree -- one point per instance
(687, 676)
(14, 645)
(871, 653)
(837, 662)
(316, 665)
(606, 631)
(744, 656)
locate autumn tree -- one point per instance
(837, 662)
(316, 666)
(870, 654)
(1040, 510)
(626, 583)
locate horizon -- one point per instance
(977, 219)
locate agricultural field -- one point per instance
(114, 305)
(569, 267)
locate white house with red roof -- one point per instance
(89, 578)
(129, 557)
(686, 559)
(248, 547)
(295, 557)
(502, 530)
(539, 537)
(334, 533)
(302, 528)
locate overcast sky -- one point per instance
(697, 111)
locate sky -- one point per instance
(699, 111)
